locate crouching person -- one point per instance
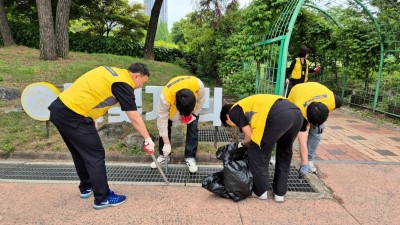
(266, 120)
(315, 101)
(181, 100)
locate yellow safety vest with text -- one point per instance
(296, 73)
(176, 84)
(302, 95)
(256, 109)
(90, 95)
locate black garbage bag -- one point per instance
(236, 180)
(215, 184)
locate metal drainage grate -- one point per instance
(129, 174)
(207, 134)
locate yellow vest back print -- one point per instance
(256, 109)
(302, 95)
(176, 84)
(90, 95)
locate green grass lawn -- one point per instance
(20, 66)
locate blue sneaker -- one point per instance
(111, 200)
(87, 193)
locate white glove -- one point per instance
(287, 81)
(166, 149)
(148, 146)
(240, 144)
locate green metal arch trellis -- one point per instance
(271, 72)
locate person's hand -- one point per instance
(166, 150)
(317, 69)
(148, 146)
(287, 81)
(303, 171)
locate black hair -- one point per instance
(317, 113)
(185, 101)
(303, 52)
(338, 101)
(224, 112)
(139, 68)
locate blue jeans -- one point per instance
(314, 137)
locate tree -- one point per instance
(104, 17)
(47, 45)
(61, 29)
(151, 30)
(217, 9)
(4, 28)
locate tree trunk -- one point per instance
(151, 30)
(4, 28)
(47, 44)
(62, 32)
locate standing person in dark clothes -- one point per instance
(266, 120)
(299, 69)
(75, 111)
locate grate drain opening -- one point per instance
(123, 173)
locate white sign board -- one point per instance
(36, 98)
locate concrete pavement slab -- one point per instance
(292, 211)
(370, 193)
(44, 203)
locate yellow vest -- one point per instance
(296, 73)
(302, 95)
(176, 84)
(90, 95)
(256, 109)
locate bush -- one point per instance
(27, 34)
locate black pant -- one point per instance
(81, 137)
(192, 139)
(283, 124)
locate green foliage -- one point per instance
(27, 35)
(162, 33)
(103, 17)
(358, 43)
(165, 44)
(241, 83)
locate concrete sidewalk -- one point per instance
(358, 160)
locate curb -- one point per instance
(110, 157)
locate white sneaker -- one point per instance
(312, 168)
(161, 160)
(279, 198)
(191, 163)
(262, 197)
